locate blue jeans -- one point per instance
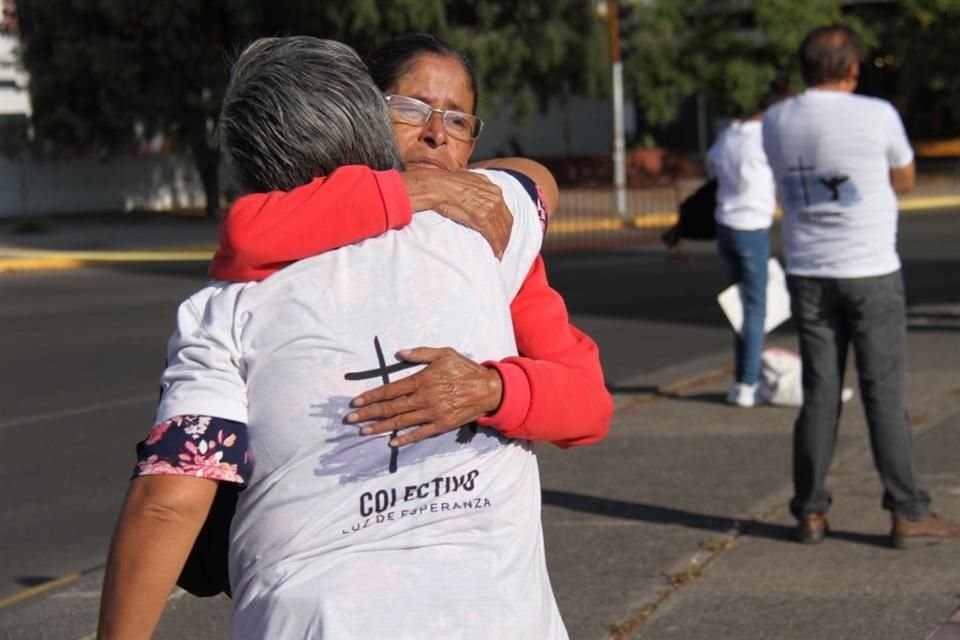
(870, 313)
(745, 255)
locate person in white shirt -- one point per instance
(746, 200)
(337, 534)
(838, 160)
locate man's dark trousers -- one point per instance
(870, 313)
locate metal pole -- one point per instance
(619, 147)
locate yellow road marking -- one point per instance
(38, 589)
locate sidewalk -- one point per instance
(75, 241)
(716, 559)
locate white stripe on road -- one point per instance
(76, 411)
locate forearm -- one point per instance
(265, 231)
(555, 391)
(149, 548)
(904, 179)
(562, 400)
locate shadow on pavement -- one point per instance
(667, 515)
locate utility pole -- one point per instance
(619, 147)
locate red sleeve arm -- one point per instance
(264, 232)
(559, 362)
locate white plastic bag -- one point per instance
(781, 378)
(778, 300)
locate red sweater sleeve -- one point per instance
(264, 232)
(556, 392)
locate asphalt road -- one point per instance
(82, 351)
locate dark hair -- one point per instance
(299, 107)
(827, 53)
(778, 90)
(391, 60)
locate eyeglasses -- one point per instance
(460, 125)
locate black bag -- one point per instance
(205, 573)
(695, 220)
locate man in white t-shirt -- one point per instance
(838, 160)
(336, 534)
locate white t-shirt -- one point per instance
(333, 537)
(746, 196)
(831, 153)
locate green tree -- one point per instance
(919, 44)
(106, 74)
(727, 52)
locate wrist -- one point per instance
(493, 385)
(514, 401)
(418, 191)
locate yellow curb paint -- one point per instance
(164, 255)
(42, 264)
(929, 202)
(662, 219)
(40, 588)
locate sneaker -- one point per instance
(744, 395)
(930, 528)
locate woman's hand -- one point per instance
(464, 197)
(450, 392)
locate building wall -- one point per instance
(575, 126)
(154, 182)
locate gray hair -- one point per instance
(299, 107)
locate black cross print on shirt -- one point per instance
(802, 170)
(383, 372)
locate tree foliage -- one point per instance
(728, 52)
(107, 74)
(921, 48)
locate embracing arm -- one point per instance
(555, 392)
(264, 232)
(160, 519)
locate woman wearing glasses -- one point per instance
(555, 390)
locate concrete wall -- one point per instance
(576, 126)
(46, 187)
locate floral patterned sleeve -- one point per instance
(200, 446)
